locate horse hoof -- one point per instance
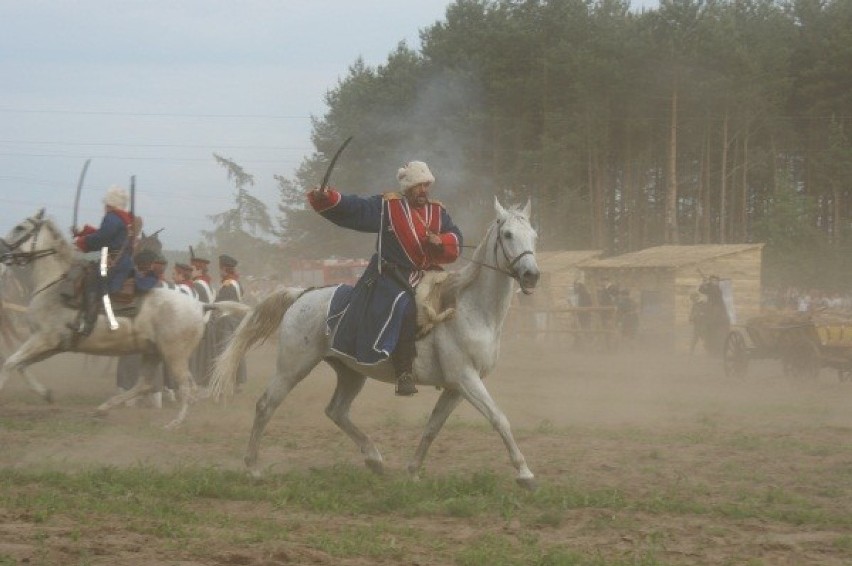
(527, 483)
(48, 396)
(413, 472)
(376, 466)
(254, 473)
(173, 424)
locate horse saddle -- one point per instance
(72, 290)
(431, 304)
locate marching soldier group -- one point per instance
(149, 268)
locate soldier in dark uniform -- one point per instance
(224, 326)
(201, 281)
(159, 266)
(628, 314)
(201, 363)
(718, 322)
(583, 299)
(698, 316)
(161, 379)
(182, 279)
(415, 235)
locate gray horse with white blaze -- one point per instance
(168, 325)
(455, 356)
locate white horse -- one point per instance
(455, 356)
(168, 325)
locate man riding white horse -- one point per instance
(114, 233)
(415, 235)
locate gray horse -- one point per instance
(456, 356)
(168, 325)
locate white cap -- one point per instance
(414, 173)
(116, 197)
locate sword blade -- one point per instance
(327, 175)
(79, 190)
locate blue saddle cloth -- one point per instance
(146, 282)
(366, 319)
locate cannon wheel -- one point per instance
(735, 355)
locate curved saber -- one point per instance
(327, 175)
(79, 190)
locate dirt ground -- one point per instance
(639, 421)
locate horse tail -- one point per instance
(257, 326)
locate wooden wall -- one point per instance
(663, 293)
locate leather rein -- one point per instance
(18, 258)
(511, 270)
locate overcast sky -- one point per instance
(153, 88)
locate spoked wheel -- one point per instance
(735, 355)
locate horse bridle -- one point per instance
(11, 257)
(511, 270)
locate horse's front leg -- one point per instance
(447, 402)
(144, 384)
(37, 347)
(473, 389)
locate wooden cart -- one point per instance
(804, 343)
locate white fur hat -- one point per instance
(116, 196)
(414, 173)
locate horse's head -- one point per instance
(30, 239)
(514, 245)
(26, 231)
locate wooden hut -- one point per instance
(559, 270)
(662, 280)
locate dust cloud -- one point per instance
(541, 385)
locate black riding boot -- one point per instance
(91, 303)
(90, 312)
(403, 355)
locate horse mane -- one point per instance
(460, 280)
(63, 248)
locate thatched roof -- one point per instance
(555, 261)
(671, 256)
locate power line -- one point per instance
(178, 159)
(151, 114)
(154, 216)
(123, 144)
(164, 196)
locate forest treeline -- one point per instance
(701, 121)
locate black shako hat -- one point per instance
(227, 261)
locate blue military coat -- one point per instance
(112, 234)
(368, 316)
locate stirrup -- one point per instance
(80, 328)
(405, 384)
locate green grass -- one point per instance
(142, 492)
(496, 550)
(375, 517)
